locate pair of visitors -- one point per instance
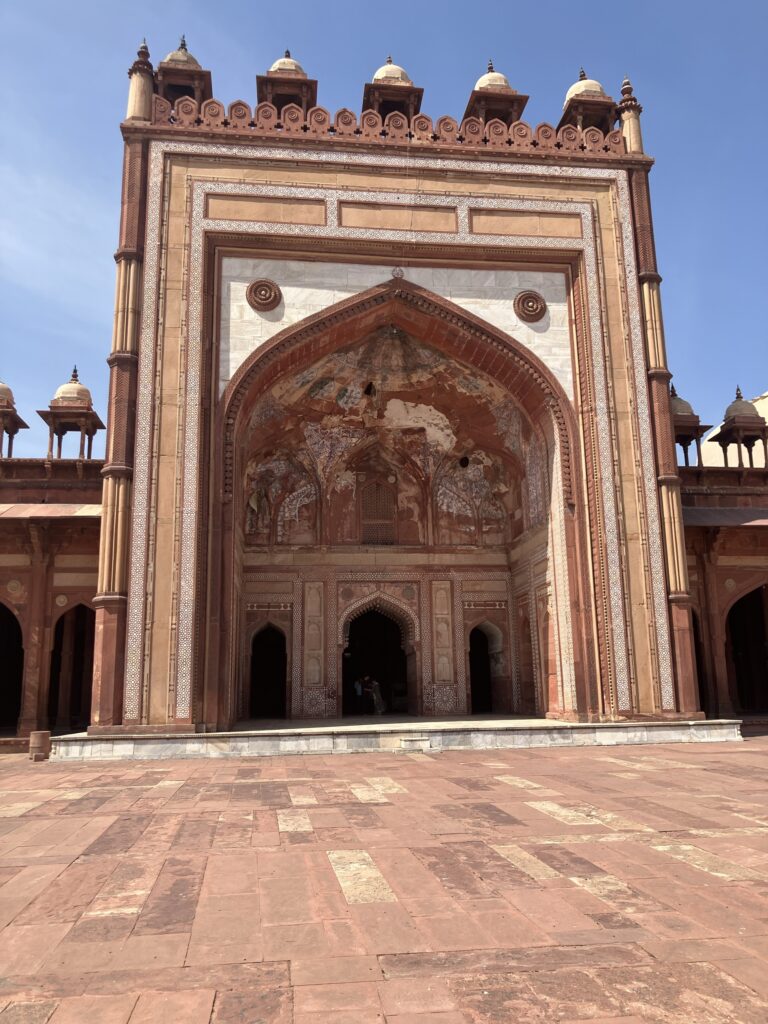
(368, 695)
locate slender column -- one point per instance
(111, 600)
(671, 511)
(36, 649)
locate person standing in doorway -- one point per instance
(379, 707)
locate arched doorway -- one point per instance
(374, 648)
(269, 664)
(489, 684)
(12, 649)
(71, 679)
(480, 673)
(288, 488)
(747, 646)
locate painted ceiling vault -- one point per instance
(388, 441)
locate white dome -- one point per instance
(6, 395)
(392, 74)
(584, 87)
(287, 64)
(181, 56)
(493, 79)
(73, 392)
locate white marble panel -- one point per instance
(311, 287)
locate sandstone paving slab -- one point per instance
(464, 887)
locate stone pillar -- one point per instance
(111, 601)
(37, 657)
(670, 504)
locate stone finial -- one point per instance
(143, 51)
(739, 396)
(672, 391)
(183, 43)
(389, 59)
(490, 65)
(582, 74)
(74, 379)
(288, 54)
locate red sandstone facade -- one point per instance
(388, 395)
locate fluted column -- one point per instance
(112, 598)
(671, 510)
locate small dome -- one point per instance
(493, 79)
(740, 407)
(287, 64)
(73, 392)
(182, 56)
(392, 74)
(678, 405)
(6, 396)
(584, 87)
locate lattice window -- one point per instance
(378, 511)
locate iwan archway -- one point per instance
(397, 453)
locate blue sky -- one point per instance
(698, 69)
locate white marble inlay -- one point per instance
(309, 288)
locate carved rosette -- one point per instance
(263, 295)
(530, 307)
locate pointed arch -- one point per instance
(464, 339)
(388, 605)
(420, 312)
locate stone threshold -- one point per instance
(413, 736)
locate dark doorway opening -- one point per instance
(11, 670)
(269, 664)
(747, 628)
(71, 680)
(375, 649)
(705, 704)
(481, 690)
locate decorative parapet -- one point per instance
(395, 128)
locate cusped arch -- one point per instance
(423, 314)
(388, 605)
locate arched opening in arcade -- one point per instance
(374, 666)
(747, 649)
(269, 674)
(12, 671)
(71, 678)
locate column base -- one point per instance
(108, 659)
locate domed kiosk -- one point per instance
(71, 409)
(493, 98)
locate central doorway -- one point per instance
(375, 649)
(269, 664)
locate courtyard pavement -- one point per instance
(605, 884)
